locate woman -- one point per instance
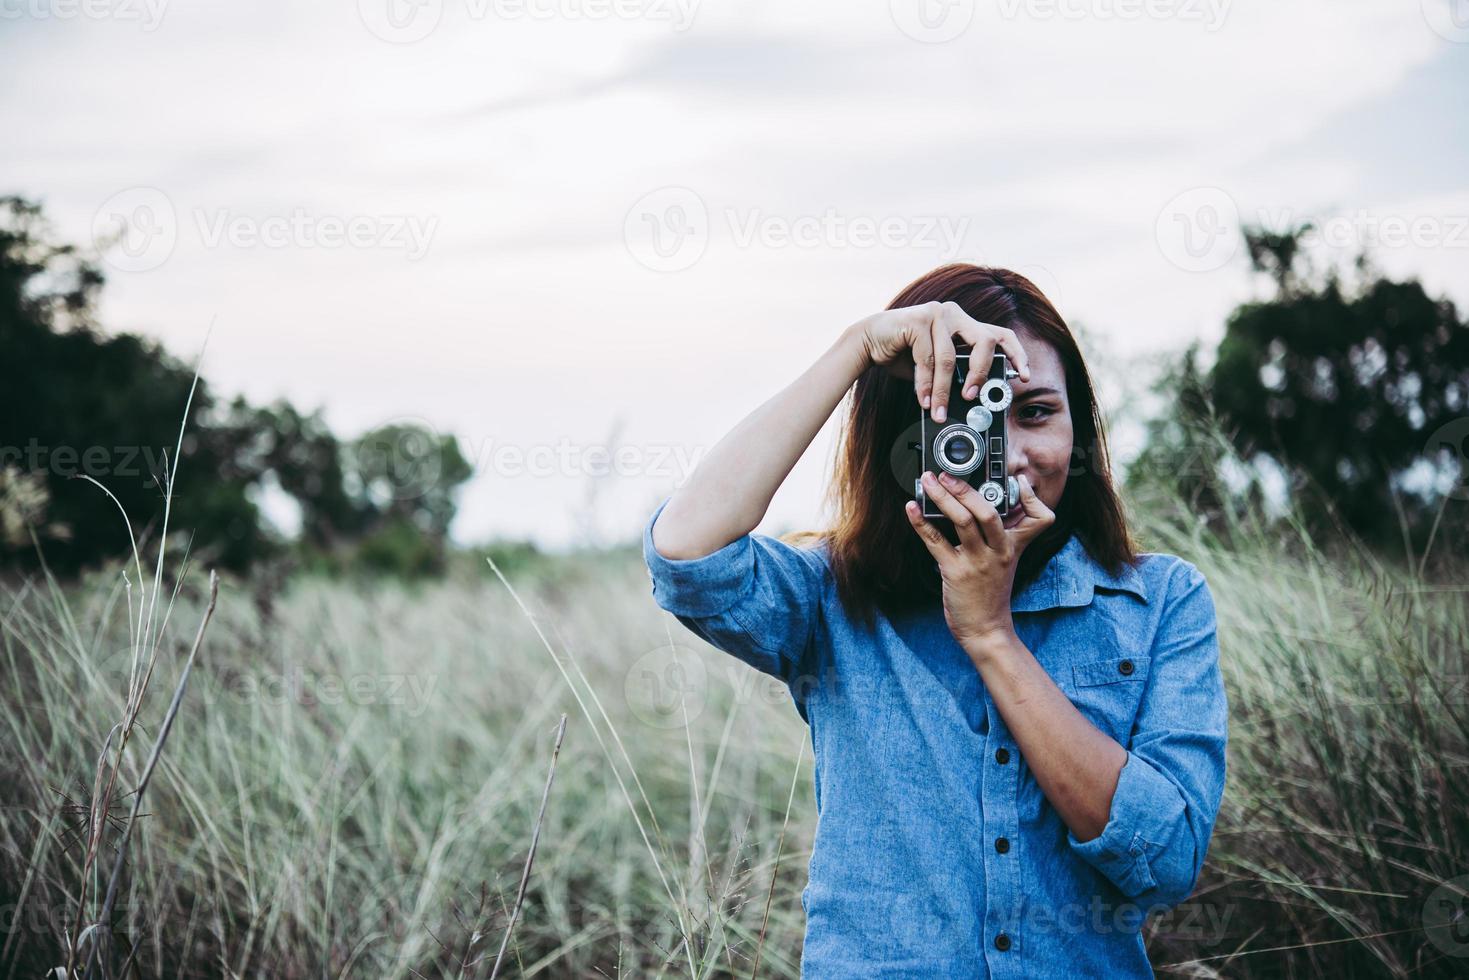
(1019, 724)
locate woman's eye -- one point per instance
(1041, 411)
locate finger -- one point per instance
(937, 544)
(991, 524)
(943, 361)
(966, 525)
(1010, 344)
(1037, 517)
(923, 367)
(980, 337)
(987, 519)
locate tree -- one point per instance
(1342, 387)
(75, 404)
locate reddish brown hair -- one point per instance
(877, 559)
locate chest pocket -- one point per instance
(1109, 692)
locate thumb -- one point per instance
(1037, 515)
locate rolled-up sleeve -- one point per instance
(757, 598)
(1162, 816)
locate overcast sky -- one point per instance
(550, 226)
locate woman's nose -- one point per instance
(1015, 459)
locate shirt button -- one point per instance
(1002, 844)
(1125, 667)
(1002, 942)
(1002, 755)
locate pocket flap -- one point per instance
(1113, 670)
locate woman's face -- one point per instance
(1039, 425)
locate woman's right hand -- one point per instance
(918, 342)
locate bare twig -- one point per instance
(775, 873)
(105, 915)
(531, 856)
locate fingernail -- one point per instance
(938, 414)
(947, 479)
(928, 477)
(971, 391)
(925, 401)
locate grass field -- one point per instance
(356, 770)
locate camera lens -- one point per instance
(957, 450)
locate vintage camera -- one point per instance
(971, 444)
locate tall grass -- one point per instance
(353, 782)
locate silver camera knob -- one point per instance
(994, 493)
(995, 395)
(979, 418)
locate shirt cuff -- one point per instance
(704, 586)
(1144, 816)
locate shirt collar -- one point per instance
(1071, 578)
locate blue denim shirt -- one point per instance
(936, 854)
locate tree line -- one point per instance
(1352, 395)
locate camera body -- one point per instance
(971, 444)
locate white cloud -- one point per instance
(1057, 141)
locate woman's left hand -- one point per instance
(979, 574)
